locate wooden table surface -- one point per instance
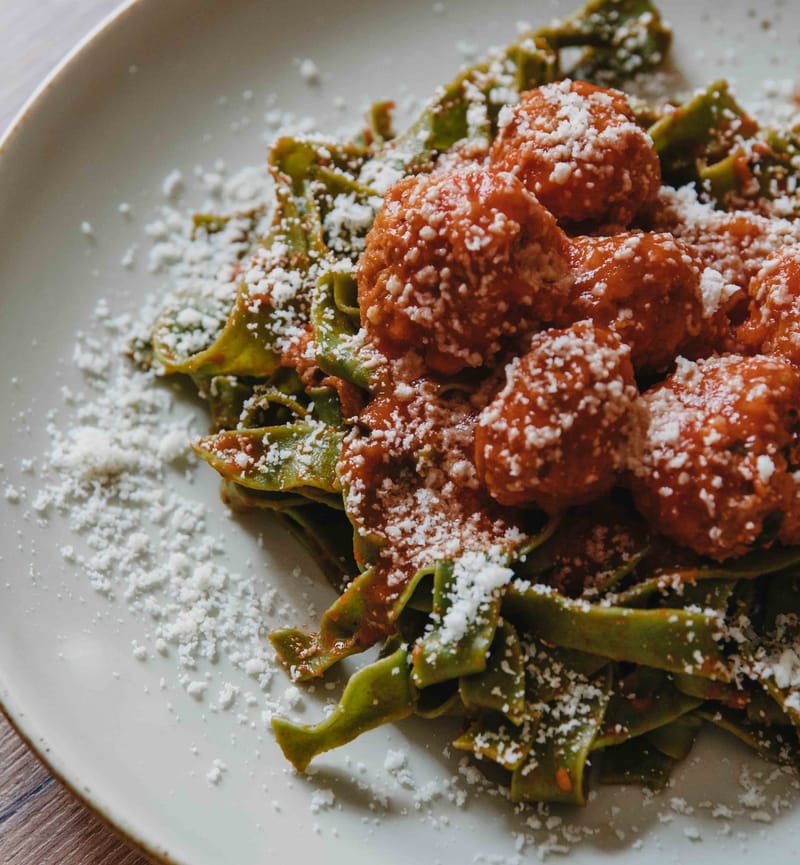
(40, 822)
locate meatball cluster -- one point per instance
(464, 259)
(555, 266)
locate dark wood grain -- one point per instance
(41, 823)
(20, 775)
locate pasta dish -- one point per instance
(525, 379)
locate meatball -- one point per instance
(732, 247)
(774, 323)
(554, 435)
(454, 263)
(713, 455)
(735, 244)
(579, 150)
(645, 287)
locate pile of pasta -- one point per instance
(525, 379)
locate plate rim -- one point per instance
(10, 709)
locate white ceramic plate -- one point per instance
(100, 133)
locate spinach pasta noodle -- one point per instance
(519, 384)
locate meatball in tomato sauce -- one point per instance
(735, 244)
(773, 325)
(644, 287)
(579, 150)
(554, 435)
(714, 456)
(455, 263)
